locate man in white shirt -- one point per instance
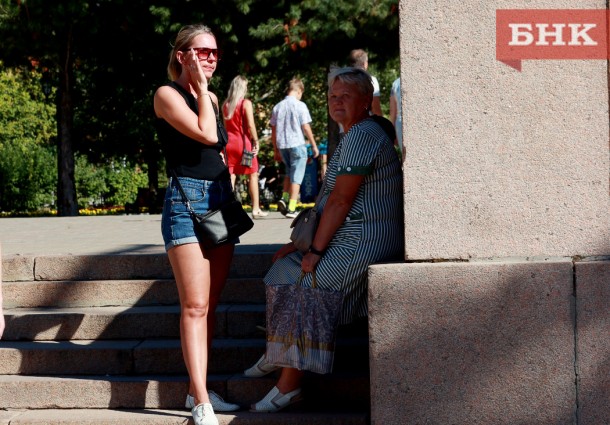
(290, 125)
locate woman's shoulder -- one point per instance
(375, 123)
(164, 89)
(245, 102)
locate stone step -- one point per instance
(147, 356)
(116, 267)
(125, 357)
(93, 333)
(333, 391)
(171, 417)
(112, 323)
(102, 293)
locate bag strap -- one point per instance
(218, 124)
(185, 199)
(314, 281)
(320, 194)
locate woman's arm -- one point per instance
(248, 108)
(170, 106)
(336, 209)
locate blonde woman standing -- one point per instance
(186, 120)
(239, 122)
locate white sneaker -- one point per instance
(260, 369)
(217, 402)
(203, 414)
(275, 401)
(291, 214)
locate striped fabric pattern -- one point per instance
(373, 231)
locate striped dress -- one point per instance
(373, 230)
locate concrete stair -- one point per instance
(95, 340)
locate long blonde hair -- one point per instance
(237, 91)
(183, 39)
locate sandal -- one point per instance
(275, 401)
(260, 369)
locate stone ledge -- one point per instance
(472, 342)
(593, 341)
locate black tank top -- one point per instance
(188, 157)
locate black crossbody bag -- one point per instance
(225, 223)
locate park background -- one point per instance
(77, 80)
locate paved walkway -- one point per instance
(119, 234)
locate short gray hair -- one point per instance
(354, 76)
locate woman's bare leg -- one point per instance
(221, 258)
(290, 380)
(192, 273)
(253, 186)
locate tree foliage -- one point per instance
(27, 156)
(105, 59)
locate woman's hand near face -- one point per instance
(198, 78)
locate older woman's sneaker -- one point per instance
(275, 401)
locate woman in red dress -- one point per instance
(239, 122)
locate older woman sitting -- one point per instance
(361, 221)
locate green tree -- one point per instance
(113, 184)
(91, 181)
(124, 181)
(27, 131)
(106, 58)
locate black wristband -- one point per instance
(315, 251)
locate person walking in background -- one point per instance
(238, 116)
(187, 124)
(396, 112)
(289, 123)
(361, 223)
(358, 58)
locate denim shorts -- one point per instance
(295, 160)
(177, 225)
